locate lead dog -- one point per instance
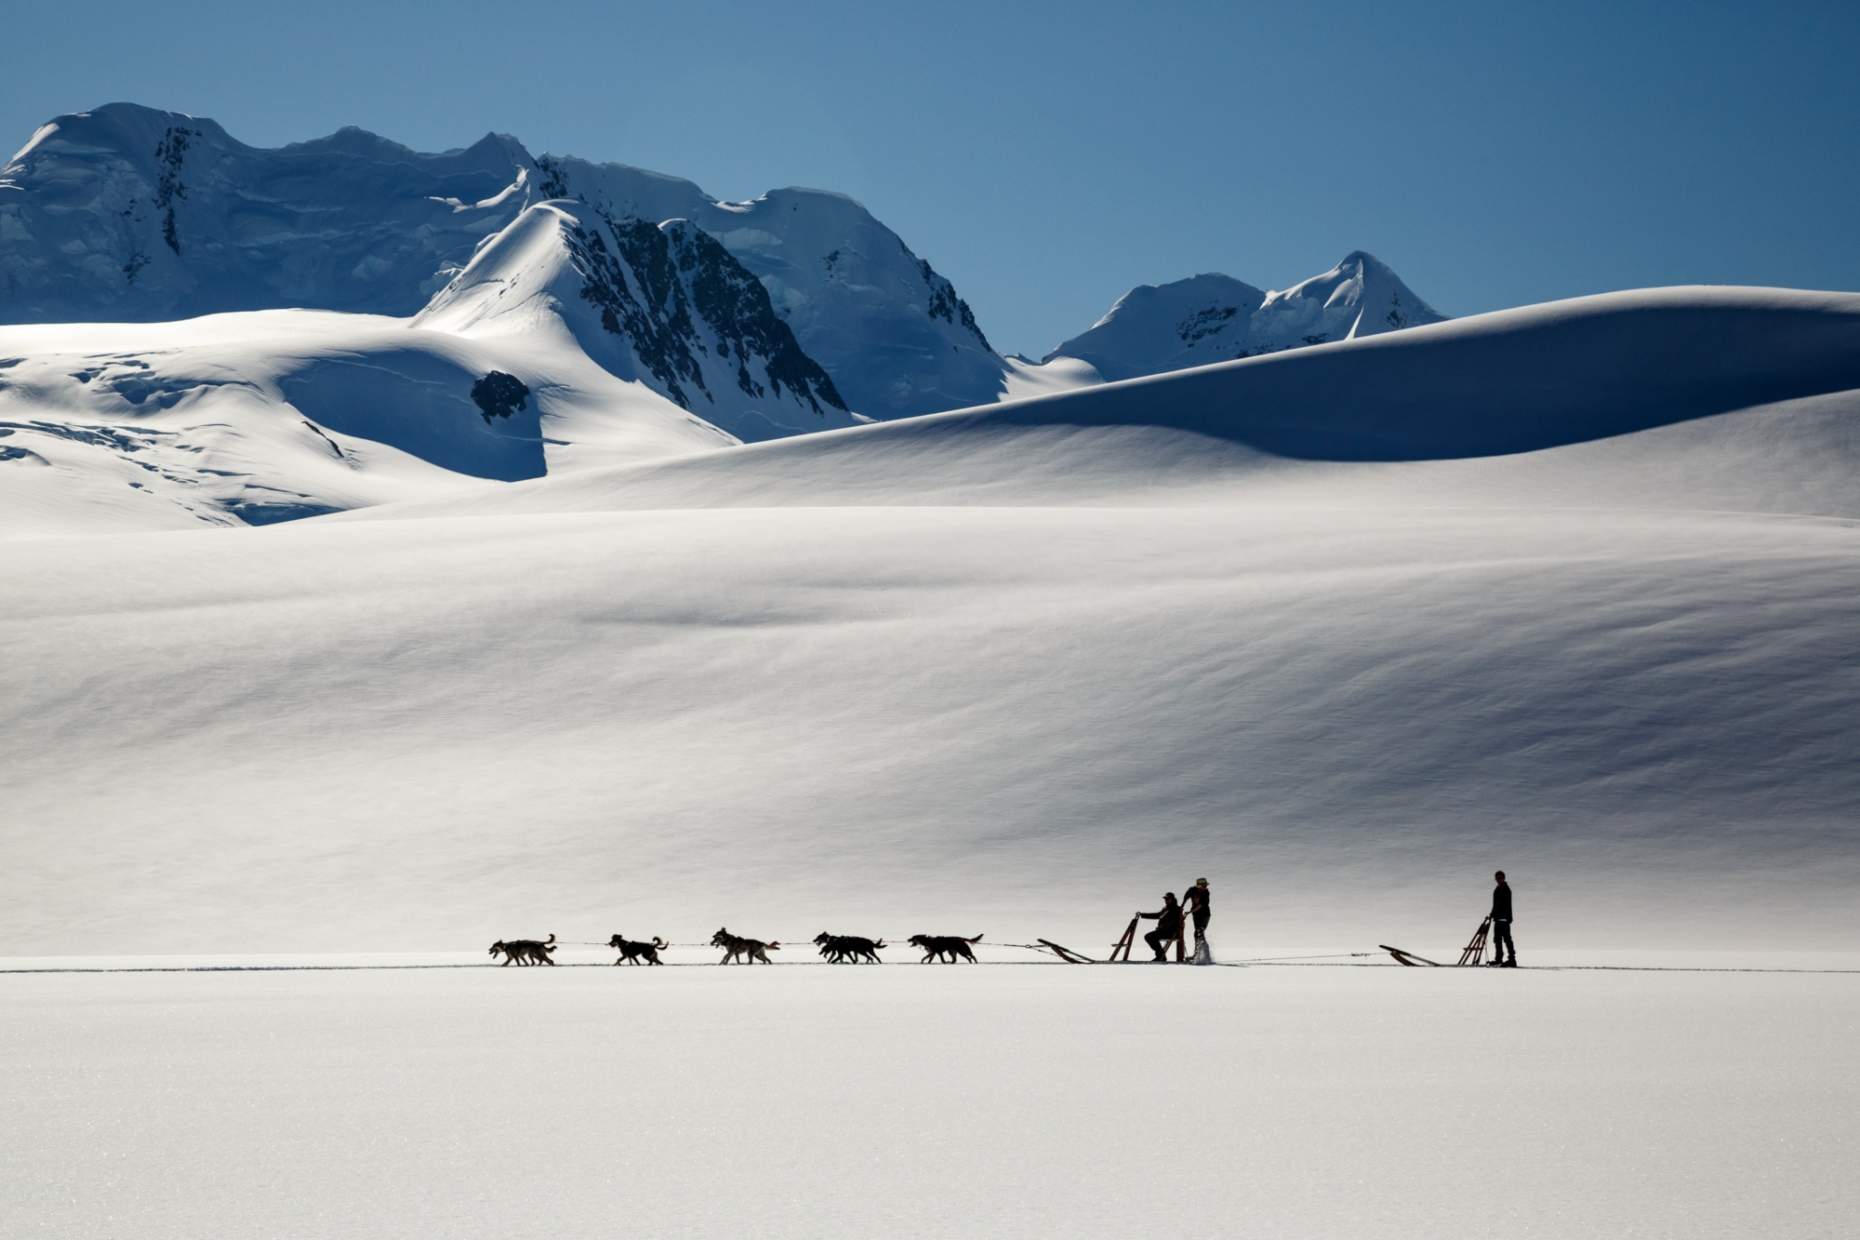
(524, 951)
(632, 952)
(945, 947)
(734, 945)
(839, 948)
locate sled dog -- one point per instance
(525, 951)
(752, 951)
(944, 947)
(632, 952)
(839, 948)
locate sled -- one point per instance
(1066, 953)
(1120, 950)
(1474, 952)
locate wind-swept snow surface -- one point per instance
(1570, 591)
(1267, 1103)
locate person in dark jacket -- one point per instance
(1501, 923)
(1168, 929)
(1196, 898)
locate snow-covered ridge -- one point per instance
(1750, 408)
(129, 213)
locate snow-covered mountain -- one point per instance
(570, 339)
(663, 304)
(131, 214)
(893, 333)
(1215, 318)
(325, 325)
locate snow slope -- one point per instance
(1568, 590)
(1215, 318)
(1718, 399)
(276, 415)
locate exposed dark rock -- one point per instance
(554, 183)
(945, 305)
(659, 326)
(738, 309)
(1205, 323)
(655, 285)
(497, 395)
(170, 154)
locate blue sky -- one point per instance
(1048, 156)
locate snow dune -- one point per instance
(1568, 590)
(1693, 398)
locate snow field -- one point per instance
(945, 1102)
(427, 734)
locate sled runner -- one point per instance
(1473, 954)
(1066, 953)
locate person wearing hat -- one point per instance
(1196, 898)
(1168, 929)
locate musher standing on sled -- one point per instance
(1501, 923)
(1196, 898)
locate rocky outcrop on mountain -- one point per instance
(664, 304)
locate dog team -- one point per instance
(834, 949)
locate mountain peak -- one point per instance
(123, 131)
(665, 305)
(1214, 318)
